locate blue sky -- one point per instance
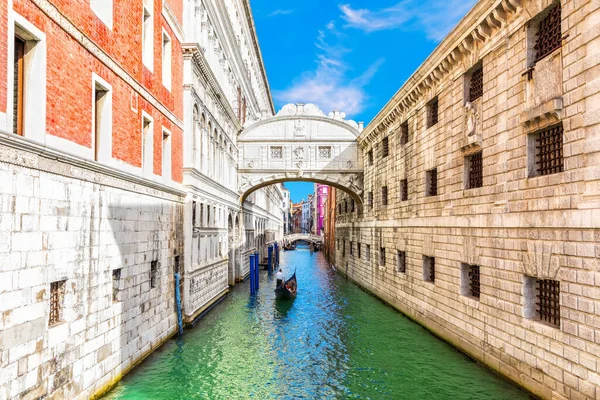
(300, 190)
(351, 55)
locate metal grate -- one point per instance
(325, 152)
(153, 274)
(370, 198)
(384, 195)
(404, 133)
(429, 269)
(401, 261)
(385, 147)
(476, 89)
(57, 292)
(474, 281)
(548, 305)
(382, 256)
(475, 171)
(549, 150)
(358, 249)
(432, 182)
(432, 112)
(549, 35)
(276, 151)
(370, 157)
(404, 190)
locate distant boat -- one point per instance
(289, 247)
(288, 290)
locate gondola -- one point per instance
(289, 247)
(283, 293)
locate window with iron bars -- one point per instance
(370, 157)
(404, 189)
(429, 269)
(351, 205)
(343, 248)
(401, 261)
(351, 249)
(384, 195)
(470, 281)
(57, 294)
(385, 149)
(475, 170)
(549, 34)
(404, 133)
(277, 152)
(358, 249)
(549, 150)
(154, 274)
(368, 253)
(370, 198)
(431, 183)
(476, 84)
(382, 256)
(339, 209)
(548, 301)
(432, 112)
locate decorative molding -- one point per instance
(171, 19)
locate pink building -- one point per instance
(322, 192)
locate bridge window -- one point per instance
(404, 189)
(370, 157)
(385, 147)
(277, 152)
(401, 261)
(382, 257)
(542, 300)
(431, 183)
(432, 112)
(429, 269)
(470, 280)
(546, 151)
(474, 170)
(57, 294)
(384, 195)
(325, 152)
(404, 133)
(154, 274)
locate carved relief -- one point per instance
(299, 128)
(541, 260)
(473, 124)
(547, 80)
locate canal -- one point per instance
(333, 342)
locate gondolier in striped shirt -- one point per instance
(279, 278)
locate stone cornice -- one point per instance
(208, 181)
(64, 23)
(194, 52)
(475, 29)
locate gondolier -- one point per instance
(279, 278)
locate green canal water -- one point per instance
(333, 342)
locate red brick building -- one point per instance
(91, 199)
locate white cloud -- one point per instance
(280, 12)
(435, 17)
(329, 86)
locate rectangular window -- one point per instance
(431, 183)
(404, 133)
(429, 269)
(351, 249)
(351, 205)
(201, 222)
(343, 248)
(176, 265)
(368, 253)
(324, 152)
(101, 121)
(432, 112)
(166, 154)
(370, 199)
(147, 146)
(474, 165)
(166, 60)
(470, 281)
(382, 257)
(340, 208)
(542, 300)
(19, 86)
(401, 261)
(549, 34)
(148, 35)
(57, 294)
(346, 206)
(154, 274)
(404, 189)
(358, 249)
(384, 195)
(385, 147)
(103, 10)
(193, 214)
(547, 145)
(116, 281)
(476, 84)
(370, 157)
(277, 152)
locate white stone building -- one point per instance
(286, 210)
(224, 84)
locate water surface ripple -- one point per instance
(333, 342)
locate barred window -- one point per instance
(548, 301)
(346, 206)
(325, 152)
(431, 183)
(429, 269)
(404, 133)
(154, 274)
(476, 84)
(432, 112)
(549, 150)
(384, 195)
(470, 281)
(368, 252)
(277, 152)
(358, 249)
(474, 165)
(370, 157)
(382, 256)
(370, 198)
(343, 248)
(385, 149)
(401, 261)
(57, 294)
(116, 274)
(352, 205)
(339, 208)
(549, 35)
(351, 249)
(404, 189)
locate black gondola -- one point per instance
(288, 290)
(289, 247)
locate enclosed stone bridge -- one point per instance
(301, 143)
(294, 237)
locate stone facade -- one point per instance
(520, 225)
